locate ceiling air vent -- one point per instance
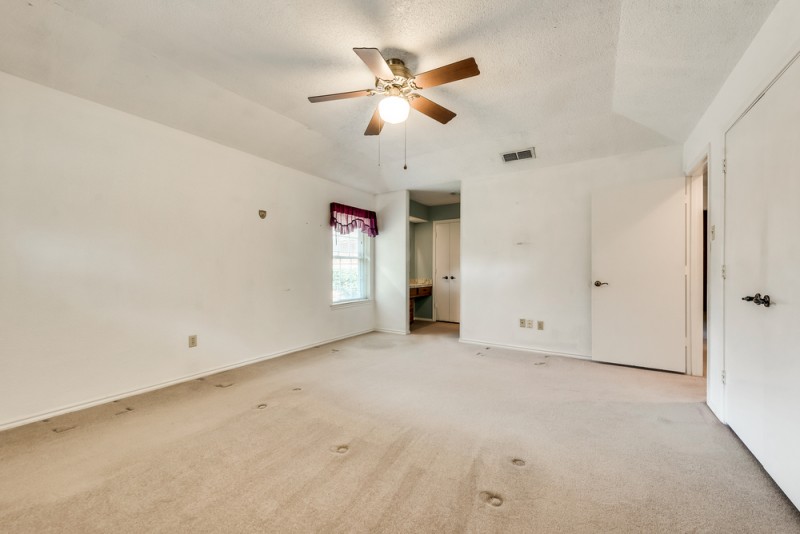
(528, 153)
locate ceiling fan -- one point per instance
(399, 86)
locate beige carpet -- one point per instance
(385, 433)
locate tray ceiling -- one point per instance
(575, 79)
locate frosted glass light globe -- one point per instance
(393, 109)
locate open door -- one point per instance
(639, 275)
(762, 253)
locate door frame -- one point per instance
(435, 278)
(695, 202)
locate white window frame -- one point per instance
(366, 258)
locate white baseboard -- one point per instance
(130, 393)
(526, 349)
(424, 319)
(390, 331)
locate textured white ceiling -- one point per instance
(576, 79)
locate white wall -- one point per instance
(773, 47)
(119, 237)
(526, 250)
(391, 263)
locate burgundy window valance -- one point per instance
(347, 218)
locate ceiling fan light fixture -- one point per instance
(393, 109)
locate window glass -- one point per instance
(351, 266)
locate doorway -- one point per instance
(697, 252)
(428, 210)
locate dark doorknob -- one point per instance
(759, 300)
(452, 278)
(598, 283)
(444, 278)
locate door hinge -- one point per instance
(725, 166)
(723, 378)
(724, 272)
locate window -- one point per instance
(351, 266)
(353, 230)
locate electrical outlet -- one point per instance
(540, 325)
(192, 341)
(530, 323)
(522, 323)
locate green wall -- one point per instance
(415, 209)
(443, 213)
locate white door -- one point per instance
(639, 260)
(447, 271)
(455, 272)
(762, 254)
(441, 272)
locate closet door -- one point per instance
(441, 278)
(455, 272)
(762, 252)
(447, 272)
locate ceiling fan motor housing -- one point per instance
(399, 68)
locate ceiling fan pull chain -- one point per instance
(379, 142)
(405, 145)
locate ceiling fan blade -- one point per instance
(466, 68)
(431, 109)
(339, 96)
(374, 60)
(375, 124)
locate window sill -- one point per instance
(351, 304)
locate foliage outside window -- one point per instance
(351, 266)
